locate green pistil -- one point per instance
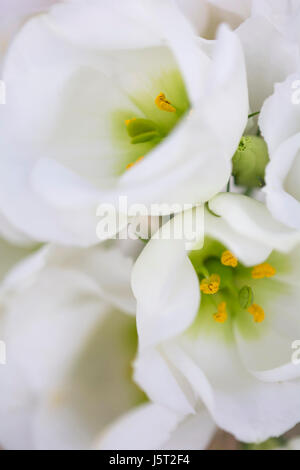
(142, 130)
(246, 297)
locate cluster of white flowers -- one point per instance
(111, 343)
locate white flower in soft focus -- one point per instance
(14, 13)
(270, 53)
(70, 347)
(280, 126)
(217, 326)
(88, 91)
(258, 22)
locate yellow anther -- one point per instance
(257, 312)
(130, 165)
(210, 286)
(163, 104)
(263, 270)
(221, 315)
(128, 121)
(228, 259)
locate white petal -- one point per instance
(284, 14)
(155, 427)
(280, 114)
(265, 66)
(226, 105)
(75, 410)
(39, 220)
(162, 385)
(51, 314)
(194, 433)
(176, 176)
(252, 219)
(131, 23)
(245, 248)
(159, 316)
(11, 233)
(147, 427)
(14, 14)
(251, 410)
(196, 12)
(107, 266)
(239, 7)
(16, 409)
(282, 183)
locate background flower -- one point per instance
(69, 348)
(72, 124)
(280, 125)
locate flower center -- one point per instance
(222, 280)
(156, 108)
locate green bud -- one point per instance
(246, 297)
(214, 266)
(250, 161)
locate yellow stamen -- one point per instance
(228, 259)
(221, 316)
(210, 286)
(263, 270)
(163, 104)
(128, 121)
(130, 165)
(257, 312)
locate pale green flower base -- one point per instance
(171, 84)
(263, 289)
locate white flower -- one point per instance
(75, 75)
(280, 126)
(68, 348)
(217, 326)
(283, 14)
(67, 378)
(266, 65)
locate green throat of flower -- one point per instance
(159, 110)
(144, 130)
(228, 284)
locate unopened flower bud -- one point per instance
(249, 162)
